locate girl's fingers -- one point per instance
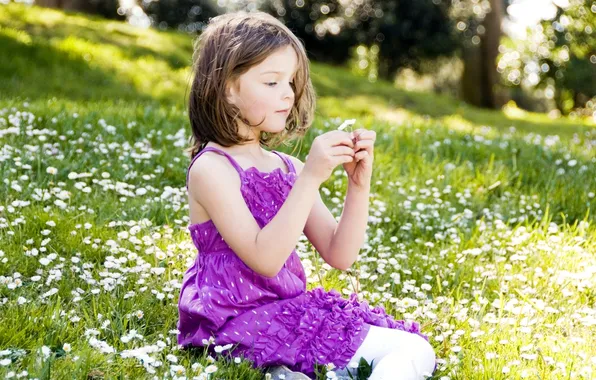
(343, 159)
(361, 155)
(335, 138)
(341, 150)
(364, 134)
(364, 144)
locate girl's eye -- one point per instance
(272, 84)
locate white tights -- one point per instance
(398, 355)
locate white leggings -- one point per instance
(398, 355)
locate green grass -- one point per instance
(481, 227)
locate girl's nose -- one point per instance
(288, 92)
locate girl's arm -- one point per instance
(338, 243)
(215, 185)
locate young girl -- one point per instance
(249, 207)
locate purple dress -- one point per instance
(271, 321)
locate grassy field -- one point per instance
(481, 224)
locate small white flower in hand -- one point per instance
(345, 124)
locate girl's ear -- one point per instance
(231, 91)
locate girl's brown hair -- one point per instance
(230, 45)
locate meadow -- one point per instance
(482, 222)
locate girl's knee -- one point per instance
(396, 351)
(422, 354)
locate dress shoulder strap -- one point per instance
(287, 161)
(213, 149)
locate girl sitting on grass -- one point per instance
(249, 207)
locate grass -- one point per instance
(481, 225)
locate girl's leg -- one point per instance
(397, 355)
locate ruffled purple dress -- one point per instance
(271, 321)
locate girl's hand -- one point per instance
(360, 169)
(326, 152)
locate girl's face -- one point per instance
(265, 92)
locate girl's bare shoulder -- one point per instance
(211, 172)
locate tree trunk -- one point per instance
(480, 74)
(472, 83)
(490, 51)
